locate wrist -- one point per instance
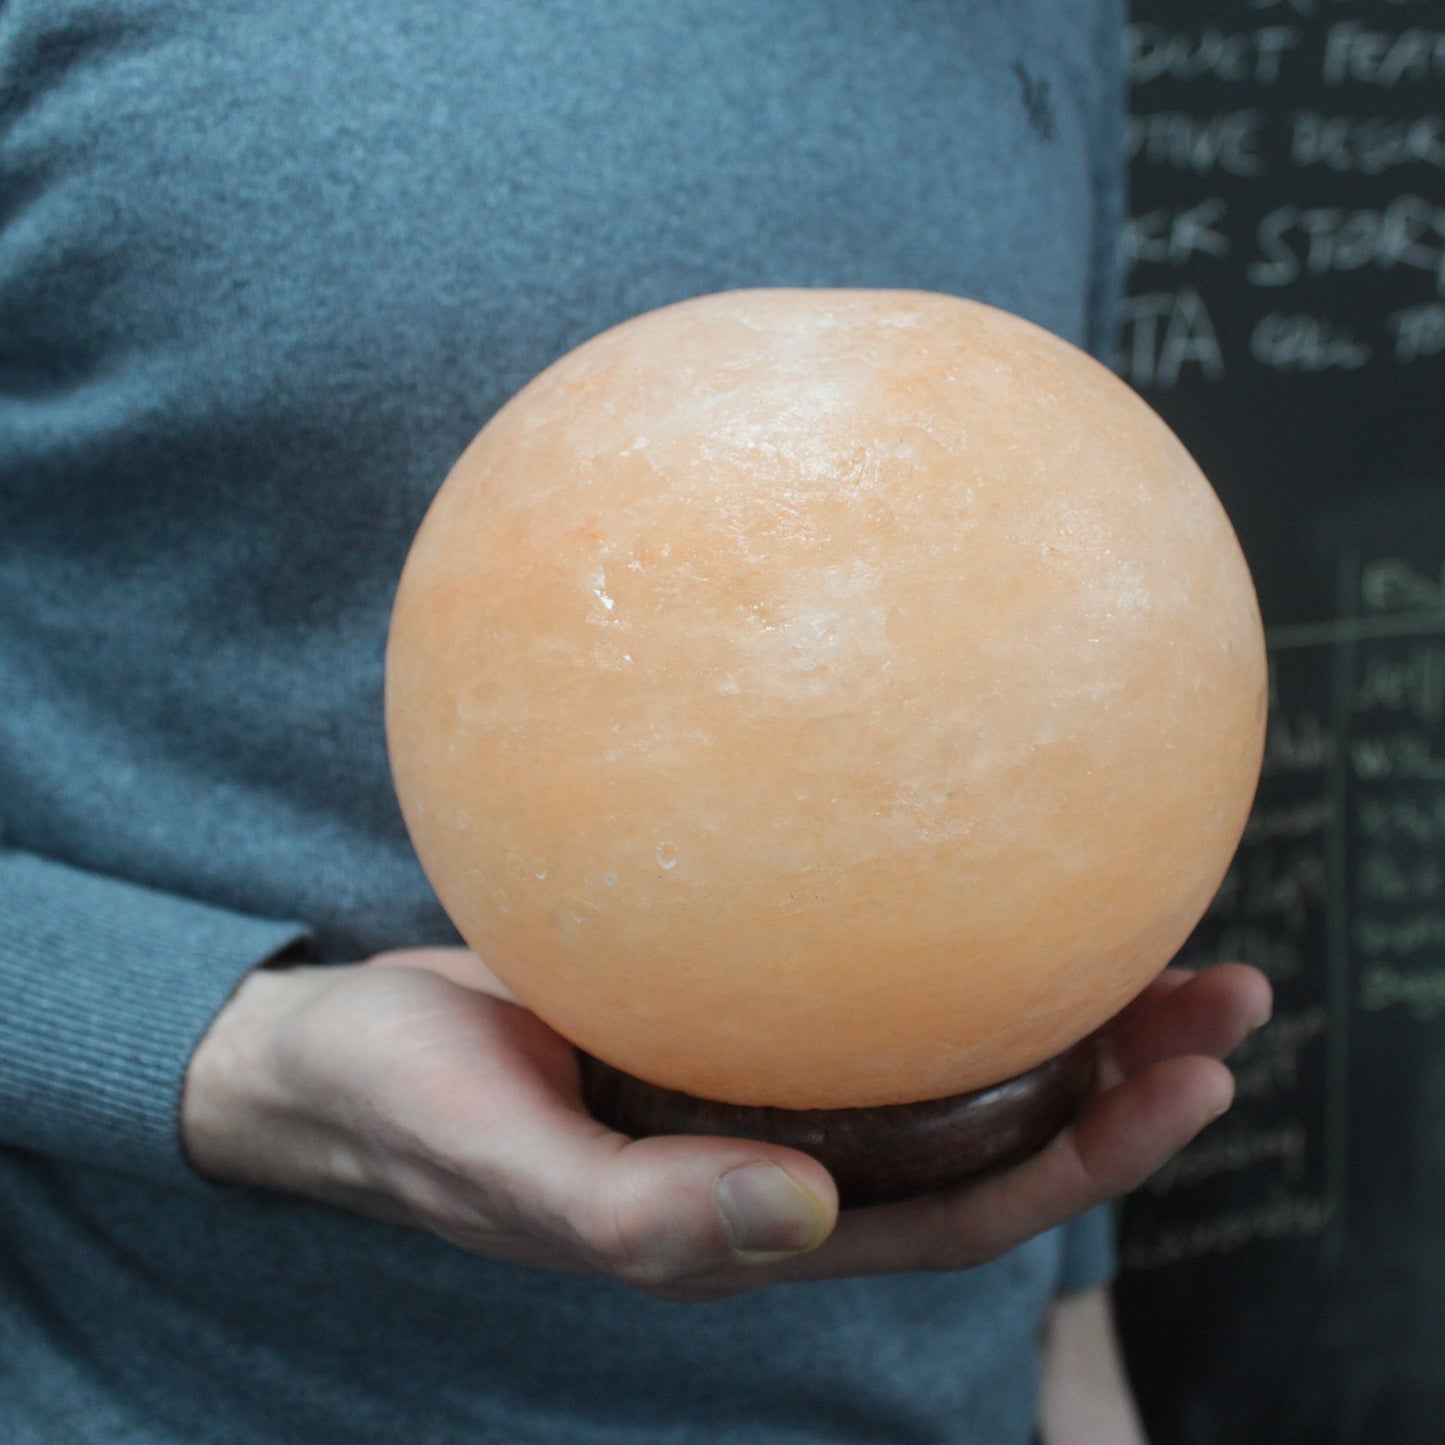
(234, 1102)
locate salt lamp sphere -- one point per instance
(825, 698)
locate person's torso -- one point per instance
(264, 269)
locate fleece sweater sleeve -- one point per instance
(105, 990)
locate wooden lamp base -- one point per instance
(889, 1152)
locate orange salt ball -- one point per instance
(824, 698)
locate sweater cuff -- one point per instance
(106, 988)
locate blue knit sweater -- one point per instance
(265, 267)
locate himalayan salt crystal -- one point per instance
(825, 698)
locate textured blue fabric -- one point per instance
(264, 270)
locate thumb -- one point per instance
(660, 1212)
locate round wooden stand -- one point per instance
(878, 1154)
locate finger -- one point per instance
(1108, 1070)
(1120, 1140)
(1157, 991)
(665, 1213)
(501, 1157)
(1210, 1014)
(655, 1212)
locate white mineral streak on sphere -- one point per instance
(868, 687)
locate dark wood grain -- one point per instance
(878, 1154)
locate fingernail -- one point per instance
(767, 1212)
(1218, 1111)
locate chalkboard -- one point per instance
(1284, 1279)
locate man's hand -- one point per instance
(415, 1089)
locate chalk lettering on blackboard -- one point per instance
(1417, 818)
(1297, 743)
(1392, 584)
(1164, 332)
(1175, 238)
(1296, 241)
(1418, 994)
(1298, 342)
(1419, 331)
(1413, 683)
(1381, 57)
(1403, 757)
(1297, 188)
(1338, 961)
(1366, 145)
(1235, 57)
(1230, 1150)
(1290, 1217)
(1318, 7)
(1228, 142)
(1386, 877)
